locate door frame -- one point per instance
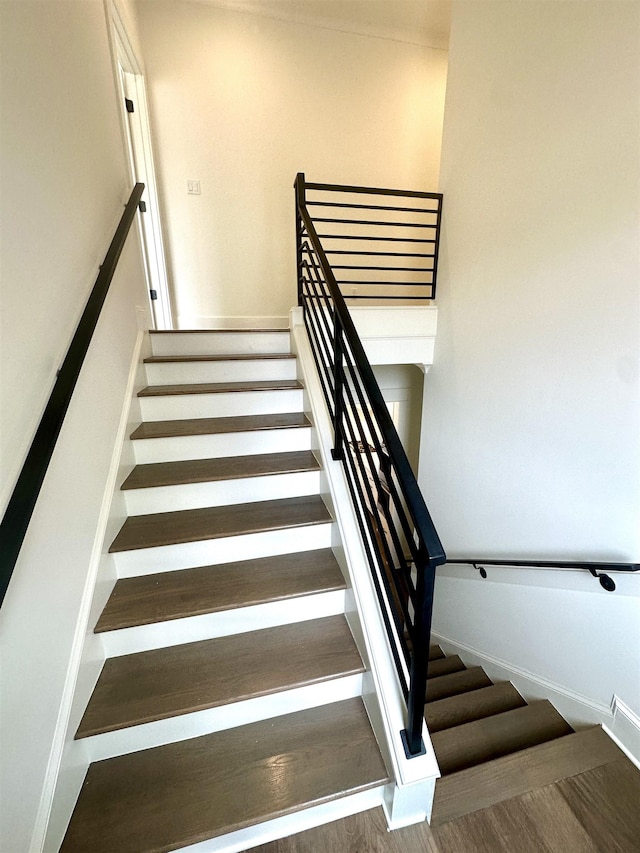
(136, 129)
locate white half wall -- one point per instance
(243, 102)
(531, 444)
(64, 185)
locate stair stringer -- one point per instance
(72, 758)
(410, 798)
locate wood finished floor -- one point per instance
(186, 792)
(153, 685)
(220, 387)
(593, 812)
(188, 471)
(192, 525)
(207, 589)
(227, 356)
(217, 426)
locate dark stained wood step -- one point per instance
(153, 685)
(207, 589)
(220, 387)
(483, 740)
(229, 356)
(193, 525)
(183, 793)
(456, 682)
(472, 705)
(212, 331)
(435, 652)
(218, 426)
(513, 775)
(444, 666)
(188, 471)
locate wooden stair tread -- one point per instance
(456, 682)
(210, 331)
(472, 705)
(153, 685)
(435, 652)
(491, 737)
(444, 666)
(207, 589)
(193, 525)
(227, 356)
(218, 426)
(187, 471)
(513, 775)
(220, 387)
(165, 798)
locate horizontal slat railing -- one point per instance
(15, 522)
(401, 542)
(596, 569)
(377, 248)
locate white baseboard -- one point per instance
(50, 817)
(618, 720)
(578, 710)
(211, 321)
(625, 730)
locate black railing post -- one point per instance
(338, 380)
(412, 735)
(300, 194)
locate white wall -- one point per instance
(64, 183)
(532, 409)
(534, 395)
(242, 103)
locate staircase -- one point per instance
(491, 745)
(231, 694)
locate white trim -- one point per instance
(625, 730)
(126, 62)
(214, 321)
(66, 703)
(291, 824)
(575, 707)
(222, 717)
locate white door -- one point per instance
(137, 128)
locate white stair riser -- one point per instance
(292, 824)
(208, 626)
(221, 493)
(190, 555)
(225, 444)
(214, 343)
(180, 372)
(177, 406)
(148, 735)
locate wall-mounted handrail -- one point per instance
(596, 569)
(17, 516)
(402, 545)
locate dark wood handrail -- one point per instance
(17, 516)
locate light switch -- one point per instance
(193, 187)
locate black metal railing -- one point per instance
(596, 569)
(379, 242)
(17, 516)
(401, 542)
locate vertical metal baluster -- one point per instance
(301, 201)
(338, 379)
(412, 736)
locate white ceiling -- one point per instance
(424, 22)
